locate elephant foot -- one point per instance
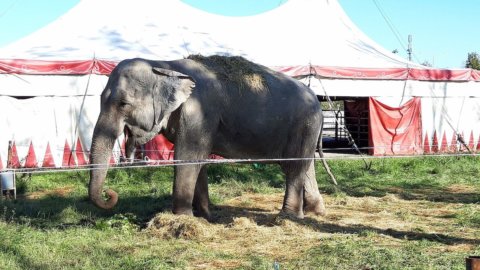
(291, 214)
(182, 211)
(317, 208)
(203, 213)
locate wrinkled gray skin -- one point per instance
(201, 114)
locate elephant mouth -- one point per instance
(127, 132)
(137, 136)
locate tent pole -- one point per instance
(351, 141)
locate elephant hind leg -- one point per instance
(295, 180)
(312, 199)
(201, 197)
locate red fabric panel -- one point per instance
(105, 67)
(382, 73)
(159, 148)
(441, 75)
(476, 75)
(41, 67)
(395, 131)
(362, 73)
(1, 163)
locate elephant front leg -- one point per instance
(184, 188)
(201, 197)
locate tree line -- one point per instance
(473, 61)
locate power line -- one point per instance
(395, 31)
(390, 24)
(4, 12)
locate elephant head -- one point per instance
(138, 97)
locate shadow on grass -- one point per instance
(23, 261)
(49, 213)
(226, 214)
(60, 212)
(421, 192)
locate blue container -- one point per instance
(7, 180)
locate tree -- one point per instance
(473, 61)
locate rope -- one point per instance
(171, 163)
(351, 141)
(74, 146)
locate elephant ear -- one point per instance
(171, 90)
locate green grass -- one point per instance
(53, 225)
(411, 178)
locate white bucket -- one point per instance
(7, 180)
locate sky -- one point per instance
(443, 31)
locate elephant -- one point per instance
(223, 105)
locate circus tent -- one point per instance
(50, 81)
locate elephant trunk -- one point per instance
(101, 151)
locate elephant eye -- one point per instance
(123, 103)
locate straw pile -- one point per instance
(236, 69)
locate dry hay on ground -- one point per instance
(249, 225)
(58, 192)
(246, 74)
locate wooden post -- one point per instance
(9, 155)
(8, 176)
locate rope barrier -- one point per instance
(170, 163)
(365, 148)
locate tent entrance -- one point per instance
(348, 117)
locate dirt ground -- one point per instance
(250, 224)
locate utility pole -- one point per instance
(409, 50)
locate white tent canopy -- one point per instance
(299, 32)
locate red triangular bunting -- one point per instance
(123, 152)
(426, 145)
(68, 160)
(435, 142)
(453, 144)
(80, 153)
(112, 160)
(48, 161)
(31, 159)
(471, 142)
(13, 161)
(444, 146)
